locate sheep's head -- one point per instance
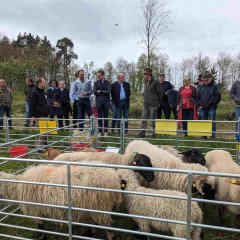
(141, 160)
(202, 185)
(193, 156)
(51, 153)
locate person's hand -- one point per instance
(177, 108)
(32, 119)
(98, 91)
(199, 108)
(85, 93)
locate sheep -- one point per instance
(80, 176)
(173, 181)
(189, 156)
(174, 209)
(135, 159)
(227, 189)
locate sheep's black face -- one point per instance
(207, 190)
(194, 156)
(141, 160)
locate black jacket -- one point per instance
(208, 96)
(105, 89)
(115, 93)
(39, 105)
(166, 86)
(28, 92)
(153, 94)
(172, 97)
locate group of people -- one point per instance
(160, 97)
(189, 103)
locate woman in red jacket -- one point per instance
(187, 97)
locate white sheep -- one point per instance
(80, 176)
(227, 189)
(158, 207)
(169, 180)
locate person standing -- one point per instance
(208, 100)
(65, 102)
(113, 108)
(164, 106)
(152, 99)
(39, 107)
(102, 89)
(187, 98)
(74, 108)
(235, 95)
(80, 92)
(5, 103)
(121, 95)
(29, 88)
(54, 101)
(172, 100)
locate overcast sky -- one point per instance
(207, 26)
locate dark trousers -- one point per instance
(75, 113)
(7, 111)
(102, 109)
(60, 121)
(66, 118)
(83, 106)
(187, 114)
(165, 108)
(122, 110)
(174, 111)
(149, 113)
(114, 113)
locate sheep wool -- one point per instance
(227, 189)
(163, 159)
(158, 207)
(80, 176)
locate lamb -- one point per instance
(173, 181)
(189, 156)
(174, 209)
(80, 176)
(227, 189)
(51, 153)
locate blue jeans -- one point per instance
(114, 112)
(209, 114)
(27, 112)
(237, 108)
(83, 105)
(7, 111)
(122, 109)
(102, 109)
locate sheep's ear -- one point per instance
(134, 154)
(234, 181)
(186, 153)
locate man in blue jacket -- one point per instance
(208, 100)
(120, 95)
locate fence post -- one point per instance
(92, 124)
(176, 145)
(122, 135)
(7, 130)
(96, 134)
(69, 201)
(238, 138)
(189, 209)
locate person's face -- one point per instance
(53, 84)
(207, 81)
(2, 84)
(29, 83)
(186, 82)
(121, 77)
(147, 76)
(62, 85)
(81, 74)
(100, 76)
(200, 82)
(161, 78)
(42, 84)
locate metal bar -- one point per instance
(189, 206)
(14, 237)
(69, 201)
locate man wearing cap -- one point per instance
(208, 100)
(152, 99)
(199, 82)
(235, 95)
(164, 106)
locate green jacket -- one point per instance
(5, 97)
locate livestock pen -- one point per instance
(16, 225)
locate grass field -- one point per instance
(210, 211)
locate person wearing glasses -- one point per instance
(152, 99)
(208, 99)
(102, 90)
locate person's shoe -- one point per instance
(105, 134)
(141, 135)
(213, 137)
(99, 134)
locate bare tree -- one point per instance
(224, 62)
(155, 21)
